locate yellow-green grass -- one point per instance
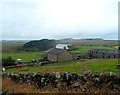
(25, 56)
(96, 65)
(84, 49)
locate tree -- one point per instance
(8, 61)
(39, 45)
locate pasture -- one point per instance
(25, 56)
(84, 42)
(78, 66)
(12, 46)
(10, 49)
(85, 49)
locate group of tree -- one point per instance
(9, 61)
(72, 47)
(41, 45)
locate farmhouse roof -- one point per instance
(61, 46)
(105, 51)
(55, 51)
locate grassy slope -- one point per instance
(84, 49)
(79, 42)
(9, 48)
(12, 46)
(62, 66)
(78, 66)
(25, 56)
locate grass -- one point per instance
(103, 65)
(25, 56)
(8, 85)
(12, 46)
(9, 48)
(85, 49)
(99, 65)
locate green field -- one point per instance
(12, 46)
(25, 56)
(84, 42)
(85, 49)
(9, 48)
(78, 66)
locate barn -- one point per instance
(98, 53)
(57, 54)
(78, 56)
(62, 46)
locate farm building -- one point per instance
(55, 55)
(61, 46)
(78, 56)
(97, 53)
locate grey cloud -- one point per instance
(27, 20)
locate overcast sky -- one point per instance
(57, 19)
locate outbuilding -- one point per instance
(55, 55)
(99, 53)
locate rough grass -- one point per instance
(24, 88)
(84, 49)
(12, 46)
(99, 65)
(25, 56)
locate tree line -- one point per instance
(40, 45)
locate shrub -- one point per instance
(8, 61)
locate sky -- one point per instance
(58, 19)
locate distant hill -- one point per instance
(44, 44)
(93, 39)
(12, 45)
(88, 42)
(41, 45)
